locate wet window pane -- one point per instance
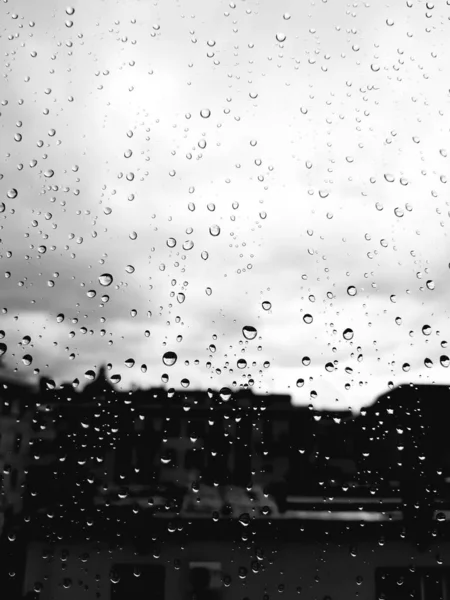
(224, 278)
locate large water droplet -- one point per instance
(105, 279)
(225, 394)
(249, 332)
(169, 358)
(348, 334)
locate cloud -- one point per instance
(323, 162)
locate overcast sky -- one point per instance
(302, 147)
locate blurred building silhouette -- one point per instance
(127, 469)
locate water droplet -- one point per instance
(426, 330)
(225, 394)
(105, 279)
(27, 360)
(389, 178)
(445, 361)
(3, 349)
(430, 284)
(241, 363)
(308, 319)
(12, 193)
(114, 577)
(116, 378)
(129, 269)
(90, 374)
(351, 290)
(348, 334)
(130, 362)
(169, 358)
(266, 305)
(249, 332)
(300, 383)
(280, 37)
(214, 230)
(205, 113)
(188, 245)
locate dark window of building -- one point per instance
(197, 428)
(412, 583)
(14, 478)
(172, 427)
(194, 459)
(17, 443)
(137, 582)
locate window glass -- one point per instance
(224, 322)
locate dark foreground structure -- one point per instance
(217, 495)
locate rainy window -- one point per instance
(224, 265)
